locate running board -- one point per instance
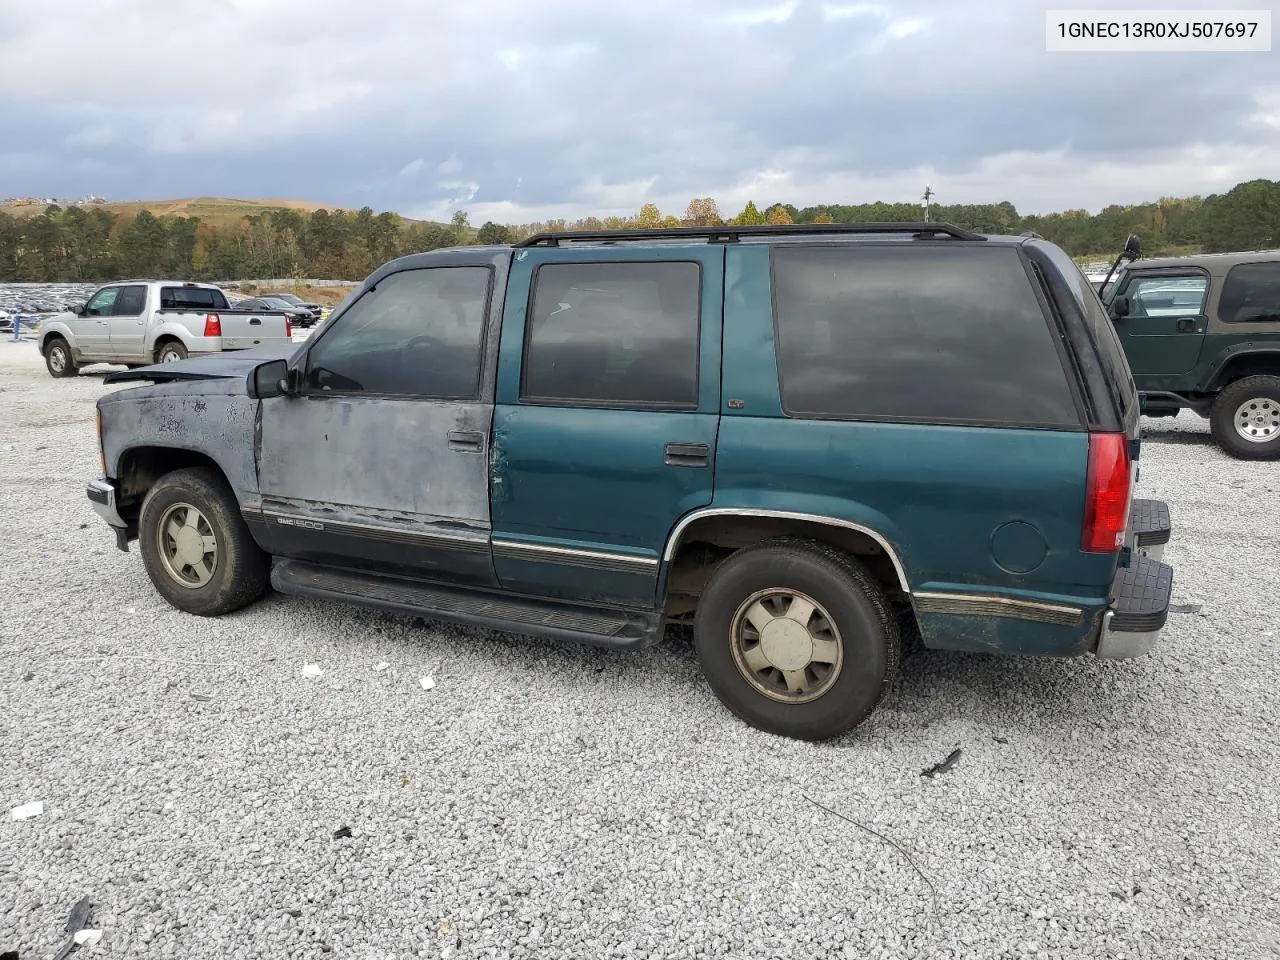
(617, 629)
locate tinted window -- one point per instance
(1251, 293)
(131, 302)
(909, 332)
(1167, 295)
(191, 298)
(103, 301)
(614, 333)
(417, 333)
(1114, 363)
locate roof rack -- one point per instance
(731, 234)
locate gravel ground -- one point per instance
(548, 801)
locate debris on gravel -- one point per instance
(548, 801)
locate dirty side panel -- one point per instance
(379, 483)
(185, 417)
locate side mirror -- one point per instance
(1119, 308)
(269, 379)
(76, 308)
(1133, 247)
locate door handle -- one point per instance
(255, 322)
(467, 441)
(1186, 324)
(686, 455)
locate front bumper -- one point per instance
(1140, 596)
(102, 494)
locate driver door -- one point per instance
(93, 330)
(1164, 329)
(381, 461)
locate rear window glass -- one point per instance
(916, 333)
(182, 298)
(1251, 293)
(1110, 351)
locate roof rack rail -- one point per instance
(732, 234)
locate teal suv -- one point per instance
(803, 442)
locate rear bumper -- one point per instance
(1140, 596)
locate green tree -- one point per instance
(750, 216)
(492, 233)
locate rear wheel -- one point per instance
(1245, 418)
(58, 359)
(171, 352)
(194, 543)
(796, 638)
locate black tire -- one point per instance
(241, 570)
(171, 349)
(856, 607)
(1263, 392)
(58, 359)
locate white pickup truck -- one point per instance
(140, 322)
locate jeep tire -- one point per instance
(194, 543)
(796, 638)
(1245, 418)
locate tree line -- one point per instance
(92, 243)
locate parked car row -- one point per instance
(300, 313)
(805, 442)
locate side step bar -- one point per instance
(1149, 528)
(617, 629)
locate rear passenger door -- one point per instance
(606, 415)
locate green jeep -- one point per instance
(1203, 333)
(797, 440)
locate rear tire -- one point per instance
(58, 359)
(752, 642)
(197, 550)
(171, 352)
(1245, 418)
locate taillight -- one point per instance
(212, 325)
(288, 326)
(1106, 506)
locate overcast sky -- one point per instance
(520, 110)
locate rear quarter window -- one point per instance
(1251, 293)
(931, 334)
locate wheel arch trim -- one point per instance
(673, 539)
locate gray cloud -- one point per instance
(521, 111)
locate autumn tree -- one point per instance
(823, 218)
(778, 215)
(650, 216)
(702, 212)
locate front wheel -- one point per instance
(1245, 418)
(796, 638)
(58, 359)
(194, 543)
(171, 352)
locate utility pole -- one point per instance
(928, 195)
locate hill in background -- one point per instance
(216, 211)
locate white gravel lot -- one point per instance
(549, 801)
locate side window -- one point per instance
(614, 334)
(131, 302)
(103, 302)
(916, 333)
(416, 334)
(1167, 295)
(1251, 293)
(191, 298)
